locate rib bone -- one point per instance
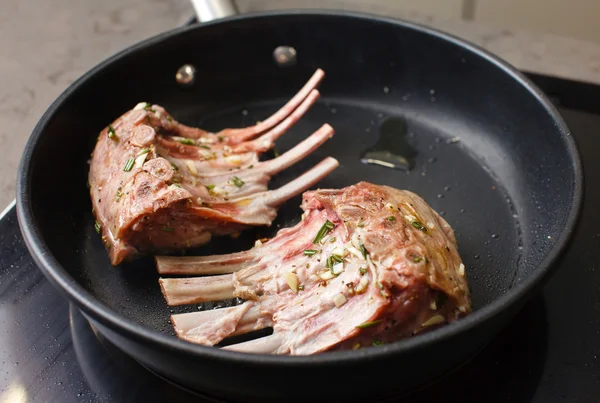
(193, 290)
(200, 265)
(244, 134)
(263, 345)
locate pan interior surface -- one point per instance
(491, 158)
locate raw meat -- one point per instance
(367, 265)
(158, 186)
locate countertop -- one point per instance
(46, 45)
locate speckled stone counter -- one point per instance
(46, 45)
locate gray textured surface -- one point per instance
(45, 45)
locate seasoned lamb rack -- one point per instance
(367, 265)
(158, 185)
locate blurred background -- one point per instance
(46, 45)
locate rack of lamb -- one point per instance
(157, 185)
(366, 265)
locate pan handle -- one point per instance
(208, 10)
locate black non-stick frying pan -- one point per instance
(490, 153)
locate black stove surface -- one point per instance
(549, 353)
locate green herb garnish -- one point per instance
(220, 138)
(324, 230)
(175, 167)
(188, 142)
(204, 146)
(417, 259)
(332, 240)
(310, 252)
(167, 229)
(376, 342)
(368, 324)
(391, 218)
(111, 132)
(128, 165)
(300, 287)
(251, 166)
(361, 225)
(143, 151)
(363, 270)
(379, 285)
(275, 152)
(237, 181)
(419, 226)
(330, 263)
(337, 258)
(97, 226)
(169, 118)
(363, 250)
(119, 194)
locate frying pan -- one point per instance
(490, 151)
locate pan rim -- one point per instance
(133, 330)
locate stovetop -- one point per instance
(549, 353)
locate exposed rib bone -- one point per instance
(300, 151)
(264, 345)
(301, 183)
(185, 323)
(265, 142)
(198, 265)
(249, 132)
(182, 291)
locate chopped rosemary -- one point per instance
(167, 229)
(332, 240)
(128, 165)
(391, 218)
(310, 252)
(237, 181)
(417, 259)
(169, 118)
(419, 226)
(111, 132)
(210, 187)
(251, 166)
(175, 167)
(119, 194)
(143, 151)
(379, 285)
(368, 324)
(324, 230)
(337, 258)
(330, 263)
(300, 287)
(204, 146)
(97, 226)
(176, 180)
(361, 224)
(220, 138)
(363, 250)
(363, 270)
(188, 142)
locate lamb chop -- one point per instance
(367, 265)
(158, 185)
